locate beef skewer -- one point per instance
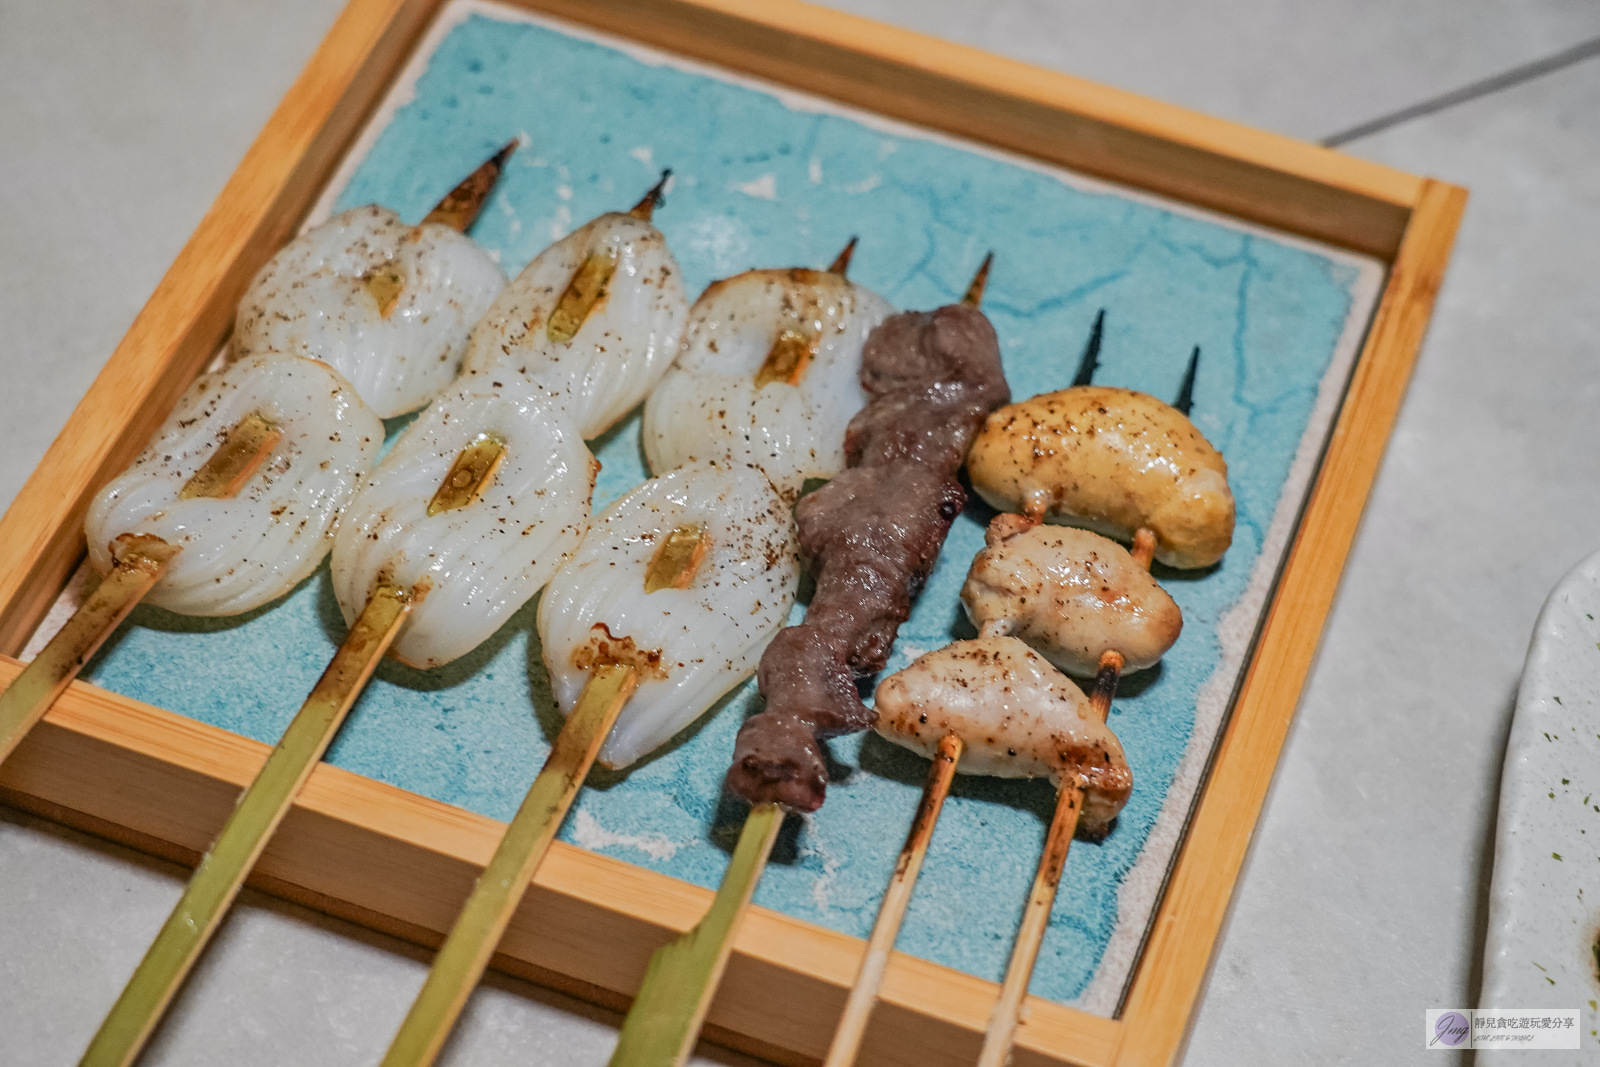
(714, 537)
(493, 473)
(871, 535)
(136, 563)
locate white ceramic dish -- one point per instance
(1544, 905)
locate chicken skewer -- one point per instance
(1056, 591)
(1183, 515)
(490, 475)
(673, 595)
(878, 525)
(137, 562)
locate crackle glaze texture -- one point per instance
(761, 181)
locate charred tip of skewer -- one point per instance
(1185, 399)
(500, 157)
(652, 200)
(841, 262)
(1105, 683)
(979, 281)
(1091, 352)
(460, 206)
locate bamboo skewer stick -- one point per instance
(891, 912)
(466, 952)
(460, 206)
(482, 922)
(138, 562)
(217, 880)
(980, 281)
(646, 207)
(682, 978)
(1007, 1014)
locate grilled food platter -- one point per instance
(635, 388)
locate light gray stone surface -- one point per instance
(1363, 899)
(1303, 69)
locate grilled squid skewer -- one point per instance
(768, 375)
(594, 319)
(231, 504)
(690, 644)
(251, 547)
(387, 305)
(485, 496)
(673, 594)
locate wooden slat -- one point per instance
(192, 308)
(1258, 176)
(1184, 933)
(405, 864)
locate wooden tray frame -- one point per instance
(402, 863)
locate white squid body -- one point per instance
(626, 342)
(691, 645)
(486, 559)
(709, 407)
(244, 551)
(389, 306)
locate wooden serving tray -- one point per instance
(403, 863)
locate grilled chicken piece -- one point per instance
(1113, 461)
(1019, 718)
(1071, 595)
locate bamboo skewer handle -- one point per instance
(140, 562)
(666, 1016)
(494, 898)
(864, 994)
(1035, 918)
(1002, 1032)
(217, 880)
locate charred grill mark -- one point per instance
(605, 649)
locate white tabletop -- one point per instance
(1363, 901)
